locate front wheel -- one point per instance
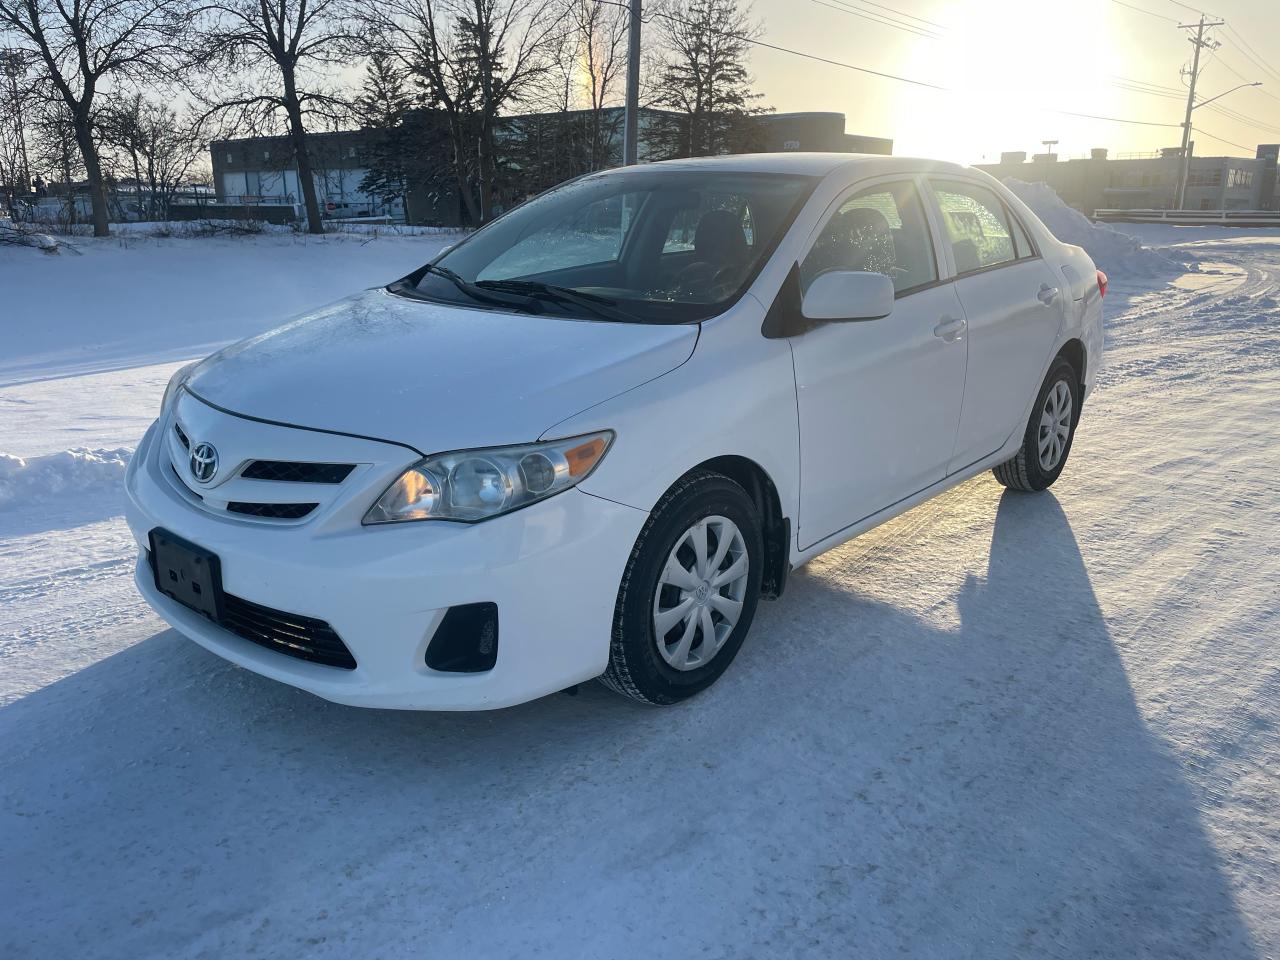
(689, 591)
(1047, 440)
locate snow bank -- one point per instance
(69, 473)
(1118, 254)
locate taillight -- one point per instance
(1102, 284)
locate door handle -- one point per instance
(950, 329)
(1046, 294)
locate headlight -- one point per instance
(180, 376)
(471, 485)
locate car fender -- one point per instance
(734, 396)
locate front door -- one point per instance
(879, 400)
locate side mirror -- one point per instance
(848, 295)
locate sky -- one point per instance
(1008, 65)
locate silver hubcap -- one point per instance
(700, 592)
(1055, 425)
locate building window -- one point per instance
(1205, 178)
(1241, 179)
(228, 158)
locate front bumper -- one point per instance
(553, 569)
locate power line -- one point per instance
(1244, 119)
(867, 70)
(796, 53)
(1094, 116)
(873, 17)
(1217, 58)
(1179, 91)
(1220, 139)
(1252, 55)
(1149, 13)
(1186, 6)
(903, 13)
(1152, 93)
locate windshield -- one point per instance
(643, 245)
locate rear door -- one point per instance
(879, 399)
(1013, 305)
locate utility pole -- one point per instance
(631, 120)
(1199, 43)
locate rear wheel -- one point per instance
(1047, 440)
(689, 591)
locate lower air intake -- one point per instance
(466, 640)
(289, 633)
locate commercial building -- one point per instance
(1149, 181)
(259, 170)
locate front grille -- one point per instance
(182, 437)
(289, 633)
(184, 485)
(287, 471)
(273, 511)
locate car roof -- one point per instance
(814, 164)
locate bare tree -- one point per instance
(156, 145)
(473, 59)
(602, 29)
(85, 46)
(54, 147)
(277, 51)
(703, 79)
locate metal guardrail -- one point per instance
(1228, 218)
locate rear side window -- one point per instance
(977, 225)
(881, 230)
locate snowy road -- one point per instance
(999, 727)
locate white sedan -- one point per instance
(585, 441)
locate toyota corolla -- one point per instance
(585, 441)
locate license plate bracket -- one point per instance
(188, 573)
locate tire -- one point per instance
(1035, 467)
(650, 668)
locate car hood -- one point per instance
(432, 376)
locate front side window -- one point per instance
(976, 225)
(881, 229)
(640, 245)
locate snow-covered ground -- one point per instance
(1000, 726)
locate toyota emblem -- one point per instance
(204, 462)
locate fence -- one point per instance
(1186, 218)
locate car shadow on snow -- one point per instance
(862, 782)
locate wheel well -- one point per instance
(1073, 352)
(776, 528)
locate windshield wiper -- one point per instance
(603, 307)
(478, 293)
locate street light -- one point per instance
(1186, 137)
